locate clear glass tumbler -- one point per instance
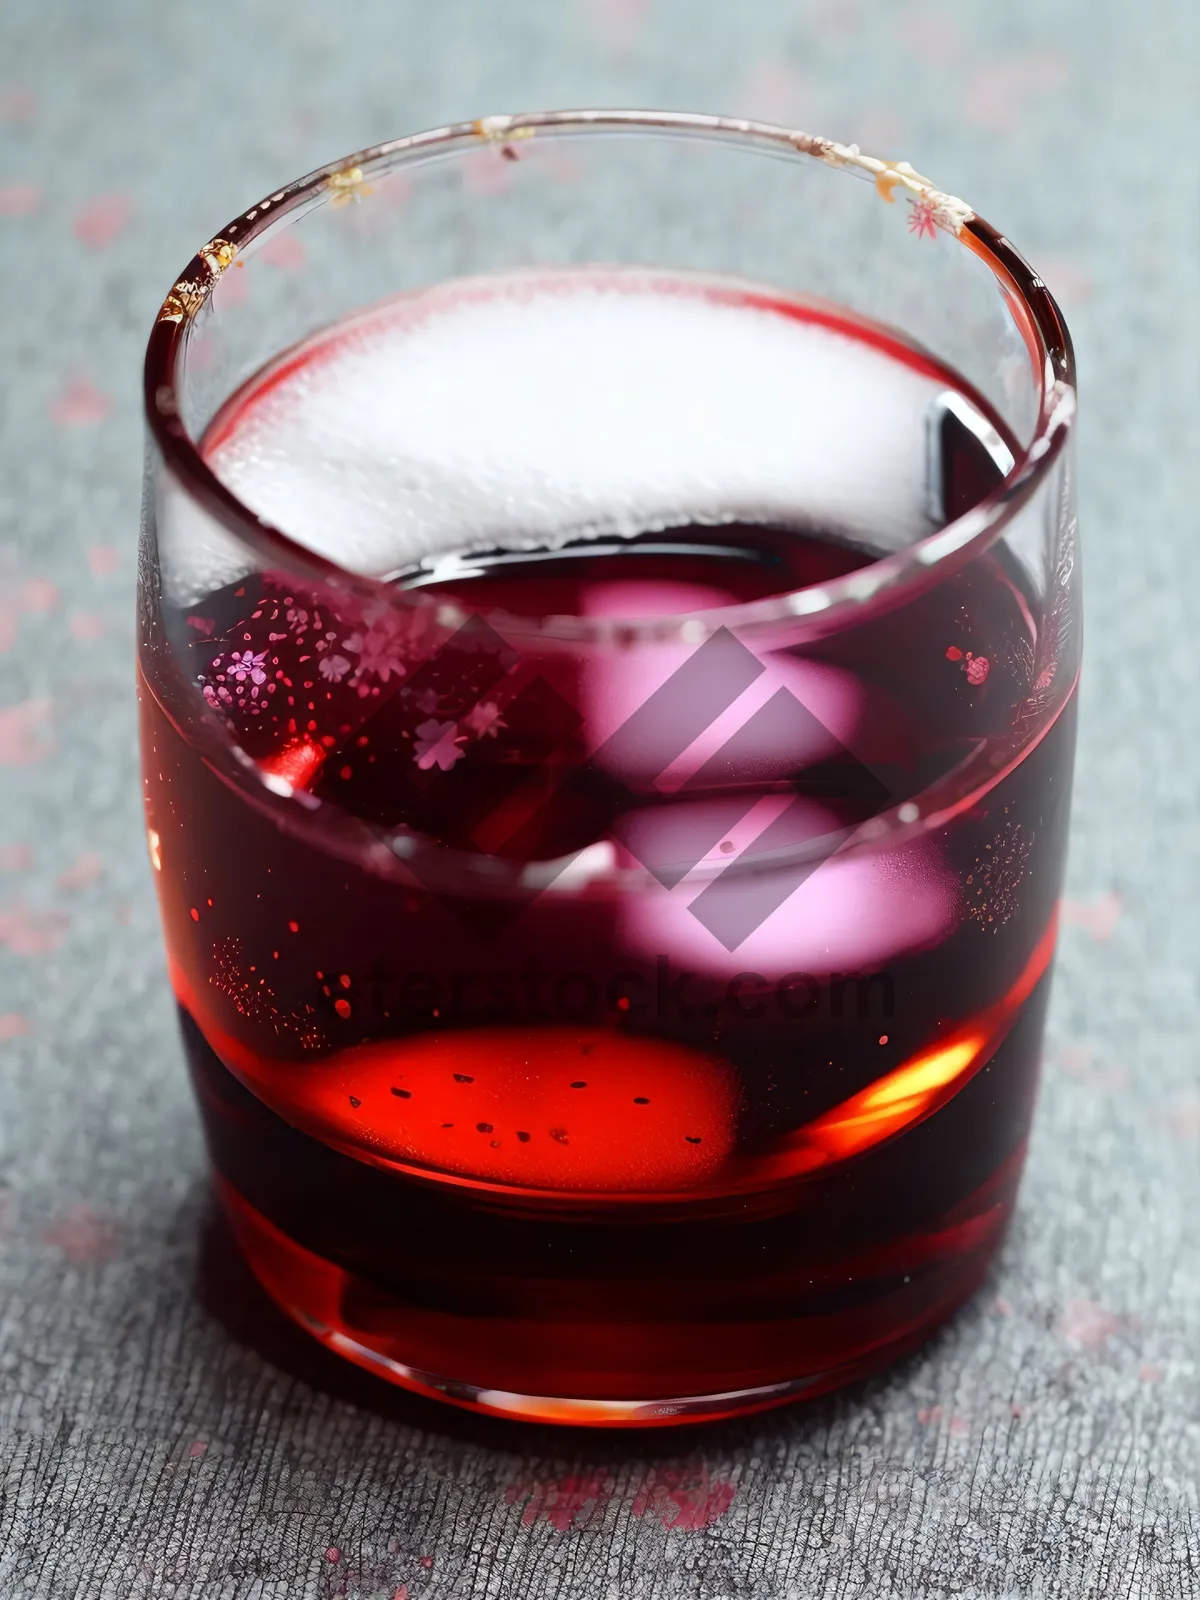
(609, 639)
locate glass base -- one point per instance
(310, 1290)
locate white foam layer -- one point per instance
(519, 414)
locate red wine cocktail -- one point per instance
(608, 658)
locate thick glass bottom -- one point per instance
(394, 1340)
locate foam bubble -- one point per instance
(519, 413)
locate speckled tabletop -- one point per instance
(162, 1433)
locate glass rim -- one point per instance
(812, 611)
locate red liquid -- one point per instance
(610, 1141)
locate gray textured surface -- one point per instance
(160, 1433)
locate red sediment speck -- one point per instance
(333, 1555)
(297, 763)
(198, 1447)
(195, 914)
(342, 1007)
(293, 927)
(977, 669)
(954, 653)
(13, 1025)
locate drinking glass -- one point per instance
(608, 646)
